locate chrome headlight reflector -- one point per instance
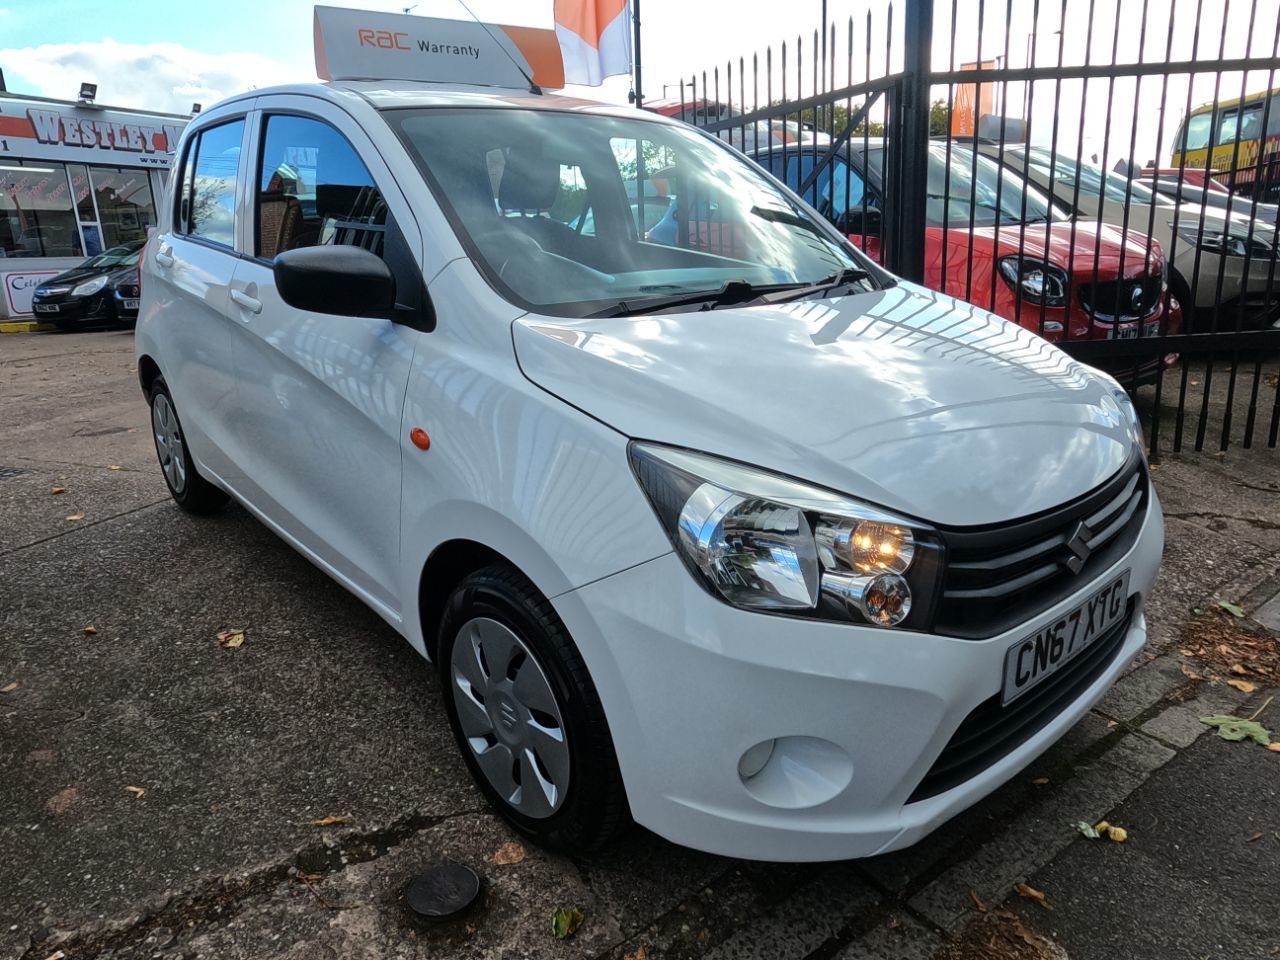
(1035, 280)
(764, 542)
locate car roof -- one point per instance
(391, 94)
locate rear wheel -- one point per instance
(189, 490)
(526, 714)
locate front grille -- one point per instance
(1122, 301)
(1000, 576)
(994, 730)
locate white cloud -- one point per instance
(154, 76)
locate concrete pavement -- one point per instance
(324, 711)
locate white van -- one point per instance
(724, 530)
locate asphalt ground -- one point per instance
(323, 712)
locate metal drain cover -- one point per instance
(443, 891)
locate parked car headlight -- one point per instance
(1226, 244)
(89, 287)
(765, 542)
(1039, 282)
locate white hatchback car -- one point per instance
(729, 532)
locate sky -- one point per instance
(168, 54)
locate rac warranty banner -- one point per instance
(366, 45)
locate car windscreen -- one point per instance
(125, 255)
(1093, 181)
(569, 213)
(965, 188)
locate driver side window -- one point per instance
(314, 190)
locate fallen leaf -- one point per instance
(565, 921)
(90, 630)
(332, 820)
(138, 792)
(74, 516)
(1031, 893)
(1040, 781)
(1238, 668)
(640, 954)
(231, 638)
(977, 902)
(1236, 728)
(1088, 829)
(56, 955)
(309, 877)
(57, 490)
(1232, 608)
(509, 853)
(61, 801)
(1244, 686)
(1256, 836)
(1112, 723)
(10, 687)
(1274, 747)
(1118, 834)
(1226, 651)
(114, 466)
(1189, 673)
(1186, 653)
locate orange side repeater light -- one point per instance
(420, 438)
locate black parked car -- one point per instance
(85, 295)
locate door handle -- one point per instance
(249, 303)
(164, 257)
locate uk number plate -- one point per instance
(46, 308)
(1033, 660)
(1129, 331)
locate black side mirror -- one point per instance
(859, 222)
(344, 280)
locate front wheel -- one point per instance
(527, 716)
(189, 490)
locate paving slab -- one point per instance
(1191, 881)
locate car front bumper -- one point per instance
(78, 311)
(690, 685)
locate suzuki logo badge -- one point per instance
(1078, 547)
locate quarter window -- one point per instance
(208, 203)
(314, 190)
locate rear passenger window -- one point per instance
(209, 199)
(314, 190)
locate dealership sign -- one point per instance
(20, 285)
(41, 130)
(366, 45)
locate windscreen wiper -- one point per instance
(843, 278)
(734, 291)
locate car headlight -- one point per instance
(1037, 281)
(1127, 409)
(89, 287)
(1224, 243)
(764, 542)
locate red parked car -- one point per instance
(1007, 249)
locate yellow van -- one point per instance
(1226, 137)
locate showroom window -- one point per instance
(315, 190)
(125, 206)
(37, 216)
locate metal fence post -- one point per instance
(913, 142)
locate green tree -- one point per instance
(939, 118)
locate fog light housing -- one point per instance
(753, 761)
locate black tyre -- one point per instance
(526, 714)
(190, 491)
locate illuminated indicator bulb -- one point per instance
(881, 546)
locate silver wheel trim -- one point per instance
(169, 445)
(510, 718)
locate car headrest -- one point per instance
(529, 182)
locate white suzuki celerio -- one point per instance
(706, 520)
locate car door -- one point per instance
(320, 396)
(191, 264)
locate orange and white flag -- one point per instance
(595, 39)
